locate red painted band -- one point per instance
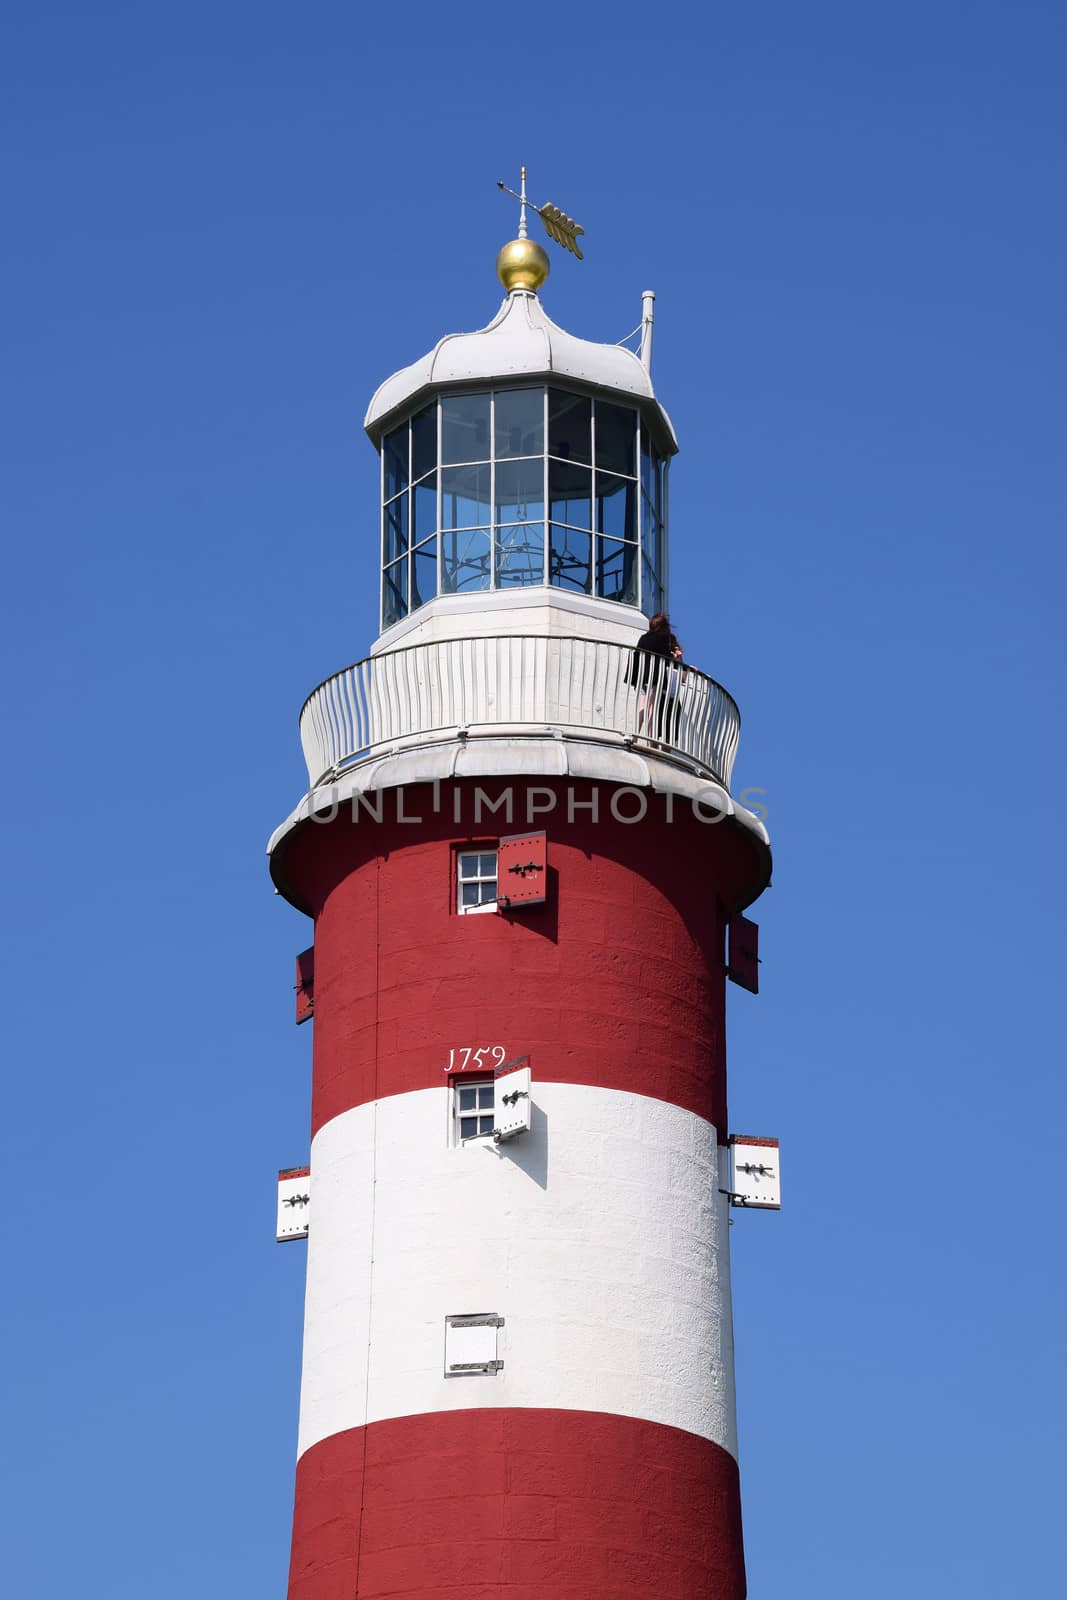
(517, 1505)
(616, 981)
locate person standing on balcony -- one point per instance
(659, 684)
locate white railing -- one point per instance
(518, 685)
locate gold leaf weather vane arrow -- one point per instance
(523, 264)
(558, 225)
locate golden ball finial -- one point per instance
(522, 264)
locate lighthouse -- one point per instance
(528, 881)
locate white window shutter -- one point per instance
(755, 1173)
(511, 1104)
(294, 1203)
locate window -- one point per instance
(476, 881)
(493, 1106)
(473, 1108)
(519, 488)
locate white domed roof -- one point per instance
(521, 341)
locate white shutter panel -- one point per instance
(294, 1203)
(755, 1175)
(511, 1104)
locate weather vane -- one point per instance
(563, 229)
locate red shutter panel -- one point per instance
(522, 868)
(305, 984)
(742, 959)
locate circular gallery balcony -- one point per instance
(519, 686)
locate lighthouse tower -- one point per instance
(526, 875)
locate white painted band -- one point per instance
(599, 1236)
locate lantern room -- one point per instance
(520, 459)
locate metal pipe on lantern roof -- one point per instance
(648, 311)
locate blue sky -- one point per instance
(223, 226)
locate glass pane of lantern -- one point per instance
(519, 422)
(616, 437)
(520, 490)
(424, 573)
(465, 427)
(647, 466)
(650, 533)
(520, 555)
(465, 497)
(424, 508)
(424, 442)
(396, 527)
(616, 506)
(395, 593)
(652, 597)
(569, 559)
(395, 460)
(569, 426)
(570, 492)
(616, 571)
(466, 561)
